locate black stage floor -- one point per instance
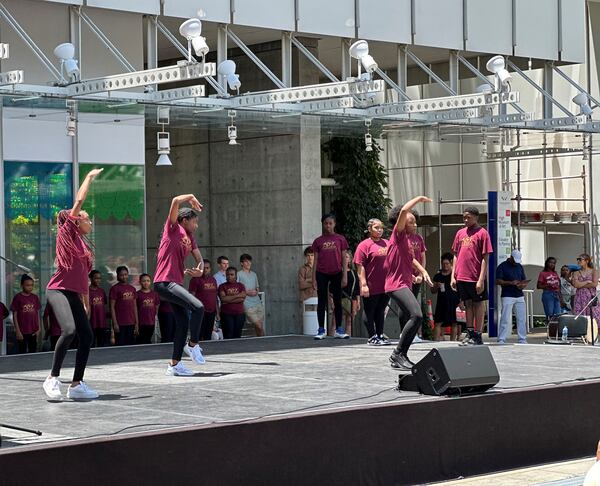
(256, 381)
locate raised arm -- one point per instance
(401, 222)
(178, 200)
(83, 191)
(422, 271)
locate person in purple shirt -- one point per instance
(399, 267)
(67, 293)
(328, 276)
(176, 243)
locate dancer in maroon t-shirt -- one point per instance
(123, 309)
(328, 276)
(472, 245)
(399, 266)
(205, 288)
(67, 293)
(176, 244)
(97, 310)
(26, 316)
(147, 307)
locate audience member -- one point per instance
(350, 294)
(97, 311)
(147, 307)
(232, 295)
(549, 282)
(253, 306)
(585, 281)
(223, 265)
(205, 289)
(510, 276)
(447, 300)
(305, 273)
(123, 308)
(567, 291)
(26, 308)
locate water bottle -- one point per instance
(565, 334)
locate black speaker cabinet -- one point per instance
(456, 371)
(577, 326)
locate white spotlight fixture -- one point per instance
(227, 69)
(71, 125)
(497, 66)
(360, 50)
(66, 52)
(368, 137)
(191, 30)
(232, 129)
(583, 102)
(163, 143)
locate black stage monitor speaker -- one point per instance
(577, 326)
(456, 371)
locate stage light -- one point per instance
(360, 50)
(191, 30)
(66, 52)
(232, 129)
(582, 101)
(71, 125)
(368, 137)
(497, 66)
(227, 69)
(164, 148)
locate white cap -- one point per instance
(516, 255)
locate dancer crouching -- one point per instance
(176, 244)
(67, 292)
(399, 264)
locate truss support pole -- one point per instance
(309, 55)
(286, 58)
(549, 87)
(402, 68)
(151, 43)
(221, 52)
(453, 71)
(75, 34)
(346, 60)
(430, 73)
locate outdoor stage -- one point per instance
(291, 410)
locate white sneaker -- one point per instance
(178, 370)
(52, 388)
(195, 353)
(340, 334)
(81, 391)
(418, 339)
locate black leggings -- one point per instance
(375, 306)
(329, 283)
(102, 335)
(208, 323)
(403, 318)
(145, 335)
(73, 320)
(126, 336)
(188, 312)
(411, 314)
(28, 344)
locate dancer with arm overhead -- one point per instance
(399, 264)
(67, 293)
(176, 244)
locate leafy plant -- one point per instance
(362, 181)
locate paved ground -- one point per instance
(242, 379)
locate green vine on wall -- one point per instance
(362, 181)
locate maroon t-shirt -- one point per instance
(75, 278)
(27, 308)
(232, 289)
(124, 296)
(175, 245)
(98, 308)
(205, 290)
(551, 280)
(54, 326)
(329, 249)
(418, 245)
(398, 262)
(3, 315)
(371, 255)
(470, 246)
(147, 304)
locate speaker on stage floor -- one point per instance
(456, 371)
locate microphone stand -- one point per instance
(589, 306)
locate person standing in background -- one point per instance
(97, 311)
(549, 282)
(26, 308)
(253, 306)
(147, 301)
(447, 300)
(205, 290)
(567, 291)
(123, 308)
(305, 273)
(510, 275)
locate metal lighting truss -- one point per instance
(170, 74)
(312, 92)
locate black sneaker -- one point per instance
(400, 361)
(469, 339)
(374, 340)
(478, 339)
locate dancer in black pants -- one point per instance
(399, 264)
(328, 275)
(370, 259)
(176, 244)
(67, 292)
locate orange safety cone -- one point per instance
(430, 314)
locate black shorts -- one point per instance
(467, 292)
